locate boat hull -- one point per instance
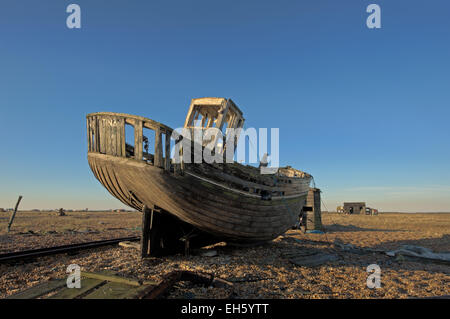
(198, 200)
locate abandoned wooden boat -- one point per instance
(230, 201)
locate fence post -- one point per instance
(14, 213)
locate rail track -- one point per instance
(40, 252)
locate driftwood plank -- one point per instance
(72, 293)
(111, 278)
(129, 244)
(115, 290)
(40, 289)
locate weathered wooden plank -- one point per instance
(130, 119)
(97, 135)
(118, 138)
(111, 278)
(93, 123)
(123, 152)
(115, 290)
(93, 136)
(190, 115)
(145, 237)
(72, 293)
(107, 137)
(167, 151)
(100, 136)
(89, 133)
(138, 140)
(40, 289)
(150, 125)
(158, 149)
(103, 136)
(112, 136)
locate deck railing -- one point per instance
(106, 135)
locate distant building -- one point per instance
(355, 208)
(371, 211)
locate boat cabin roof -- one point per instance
(217, 112)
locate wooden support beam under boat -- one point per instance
(155, 227)
(146, 225)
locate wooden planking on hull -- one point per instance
(247, 221)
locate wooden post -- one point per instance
(138, 140)
(186, 248)
(222, 115)
(158, 149)
(89, 134)
(167, 150)
(101, 136)
(122, 145)
(146, 225)
(96, 135)
(14, 213)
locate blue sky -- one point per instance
(365, 111)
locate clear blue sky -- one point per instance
(365, 111)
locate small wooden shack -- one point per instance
(355, 208)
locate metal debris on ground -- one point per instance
(418, 253)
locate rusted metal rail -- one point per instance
(40, 252)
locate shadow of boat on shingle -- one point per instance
(336, 228)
